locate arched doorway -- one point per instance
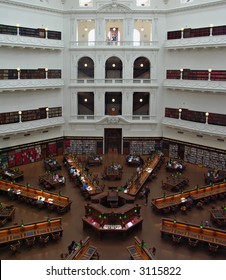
(112, 140)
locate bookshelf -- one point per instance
(30, 115)
(196, 116)
(30, 32)
(80, 146)
(10, 74)
(196, 32)
(173, 150)
(196, 154)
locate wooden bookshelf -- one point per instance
(196, 32)
(30, 32)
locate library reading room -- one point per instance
(112, 130)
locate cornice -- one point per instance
(119, 8)
(30, 6)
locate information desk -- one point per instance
(121, 219)
(134, 161)
(139, 179)
(48, 182)
(84, 251)
(198, 194)
(31, 195)
(196, 233)
(12, 174)
(218, 216)
(123, 198)
(176, 182)
(7, 212)
(139, 252)
(51, 164)
(34, 229)
(71, 161)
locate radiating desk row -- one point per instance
(32, 195)
(194, 234)
(139, 180)
(30, 230)
(198, 194)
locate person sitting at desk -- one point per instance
(40, 201)
(11, 193)
(84, 186)
(55, 177)
(61, 179)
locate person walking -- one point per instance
(146, 194)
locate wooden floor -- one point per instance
(111, 247)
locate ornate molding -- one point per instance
(15, 128)
(12, 85)
(30, 42)
(196, 85)
(114, 7)
(209, 129)
(197, 42)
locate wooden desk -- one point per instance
(12, 174)
(213, 177)
(218, 216)
(196, 232)
(7, 212)
(51, 164)
(134, 161)
(48, 182)
(174, 165)
(139, 179)
(34, 229)
(176, 182)
(71, 161)
(139, 252)
(112, 173)
(122, 198)
(84, 251)
(170, 201)
(94, 160)
(31, 195)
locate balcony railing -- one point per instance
(13, 128)
(196, 85)
(120, 44)
(113, 119)
(26, 84)
(139, 82)
(195, 126)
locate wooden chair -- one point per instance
(44, 239)
(56, 236)
(176, 238)
(3, 222)
(213, 247)
(51, 206)
(30, 242)
(15, 247)
(193, 242)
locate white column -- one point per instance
(73, 29)
(152, 104)
(99, 103)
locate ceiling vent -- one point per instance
(180, 132)
(200, 136)
(6, 138)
